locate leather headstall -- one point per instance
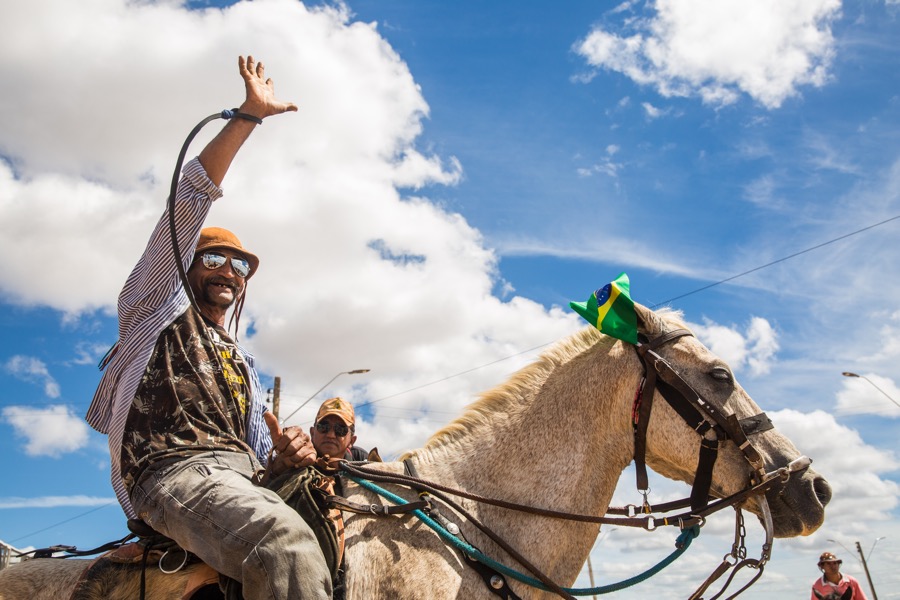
(700, 414)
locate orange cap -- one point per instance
(337, 406)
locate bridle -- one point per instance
(714, 427)
(701, 415)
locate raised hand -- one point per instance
(260, 101)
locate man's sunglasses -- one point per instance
(340, 430)
(214, 260)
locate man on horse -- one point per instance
(181, 400)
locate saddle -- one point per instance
(152, 551)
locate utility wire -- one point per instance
(78, 516)
(775, 262)
(424, 385)
(706, 287)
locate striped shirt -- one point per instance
(151, 300)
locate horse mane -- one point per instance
(506, 397)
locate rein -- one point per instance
(473, 553)
(689, 521)
(700, 414)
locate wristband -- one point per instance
(230, 114)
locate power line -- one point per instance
(424, 385)
(78, 516)
(775, 262)
(706, 287)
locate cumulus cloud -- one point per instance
(51, 431)
(33, 370)
(869, 393)
(651, 111)
(720, 49)
(606, 165)
(754, 349)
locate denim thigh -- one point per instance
(210, 506)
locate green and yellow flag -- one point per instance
(611, 310)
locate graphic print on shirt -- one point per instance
(235, 379)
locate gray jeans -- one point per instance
(208, 504)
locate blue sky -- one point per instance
(455, 175)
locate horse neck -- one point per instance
(558, 441)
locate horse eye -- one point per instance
(720, 374)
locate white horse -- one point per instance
(557, 435)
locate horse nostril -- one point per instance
(822, 489)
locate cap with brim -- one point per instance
(212, 238)
(828, 557)
(338, 407)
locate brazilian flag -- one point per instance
(611, 310)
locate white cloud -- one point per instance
(51, 431)
(754, 349)
(869, 394)
(762, 192)
(651, 111)
(88, 353)
(763, 344)
(33, 370)
(719, 49)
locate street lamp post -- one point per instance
(849, 374)
(316, 393)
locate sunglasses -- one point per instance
(214, 260)
(340, 430)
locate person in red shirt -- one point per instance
(834, 585)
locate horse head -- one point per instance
(693, 375)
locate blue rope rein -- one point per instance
(682, 543)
